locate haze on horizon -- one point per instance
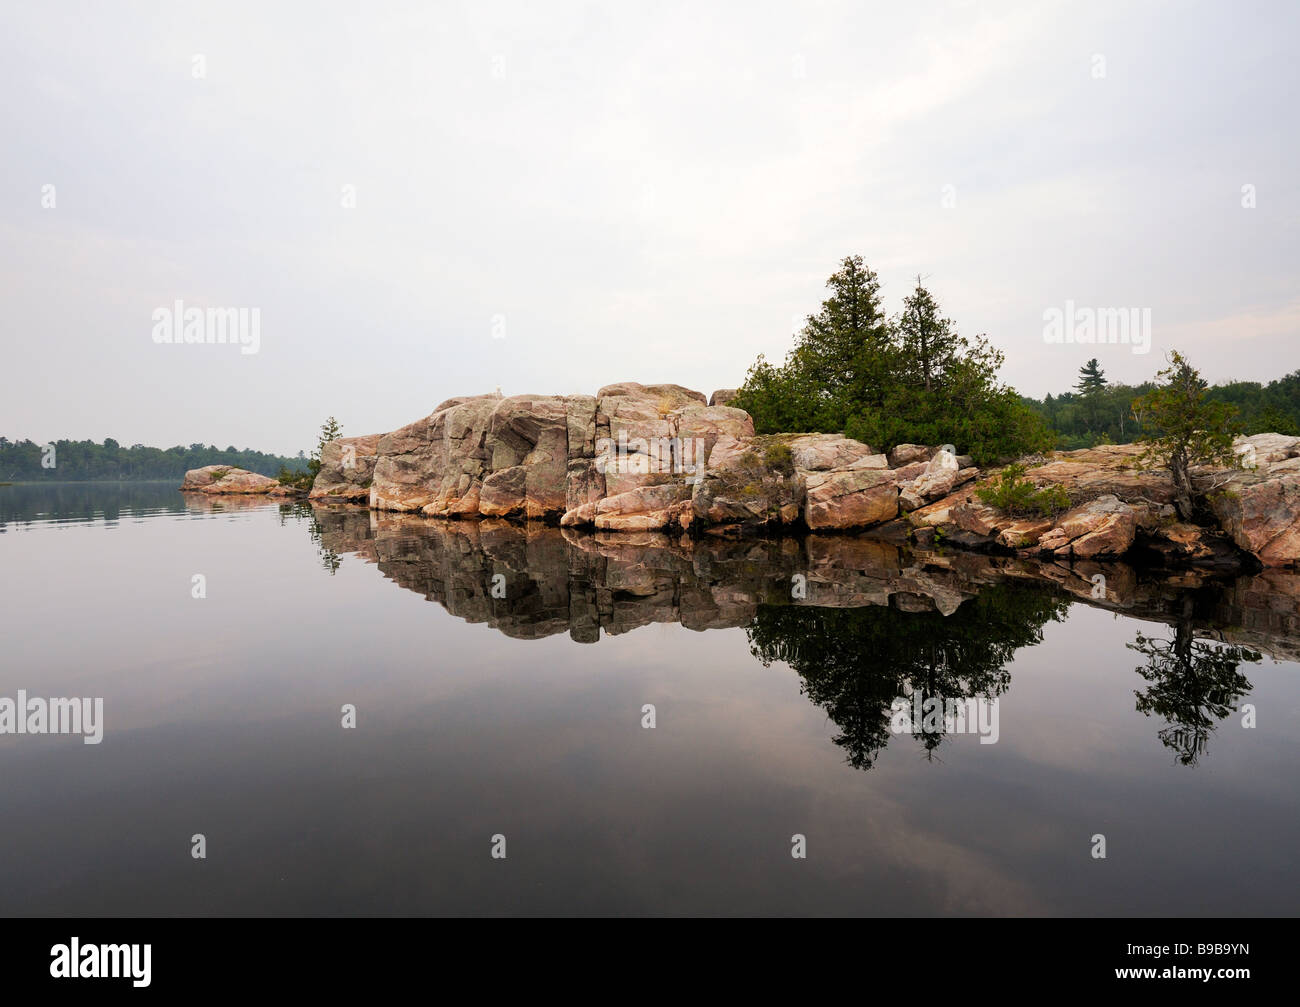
(549, 198)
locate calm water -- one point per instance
(499, 678)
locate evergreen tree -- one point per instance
(1186, 429)
(852, 371)
(843, 350)
(1091, 387)
(928, 341)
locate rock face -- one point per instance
(1106, 470)
(1120, 507)
(226, 479)
(941, 475)
(646, 458)
(1259, 506)
(630, 458)
(852, 498)
(1100, 528)
(347, 467)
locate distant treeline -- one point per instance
(21, 461)
(1098, 412)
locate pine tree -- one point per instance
(1091, 387)
(928, 341)
(330, 430)
(843, 347)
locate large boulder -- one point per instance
(940, 477)
(347, 467)
(1262, 514)
(745, 489)
(1103, 527)
(852, 498)
(652, 447)
(527, 440)
(906, 454)
(227, 479)
(823, 452)
(647, 508)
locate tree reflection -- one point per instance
(856, 662)
(300, 510)
(1194, 684)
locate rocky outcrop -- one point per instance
(1121, 507)
(1259, 506)
(940, 476)
(347, 468)
(631, 458)
(850, 498)
(228, 480)
(1103, 527)
(640, 458)
(1106, 470)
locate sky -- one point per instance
(423, 200)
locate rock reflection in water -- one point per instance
(863, 622)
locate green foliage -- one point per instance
(928, 342)
(913, 379)
(1092, 379)
(330, 430)
(1108, 417)
(1271, 419)
(779, 458)
(1016, 495)
(1092, 391)
(1185, 429)
(87, 461)
(299, 479)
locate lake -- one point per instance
(503, 681)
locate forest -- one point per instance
(1094, 411)
(28, 461)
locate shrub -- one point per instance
(779, 458)
(1015, 495)
(297, 478)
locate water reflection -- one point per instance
(856, 662)
(1192, 685)
(24, 504)
(870, 622)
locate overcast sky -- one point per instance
(554, 196)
